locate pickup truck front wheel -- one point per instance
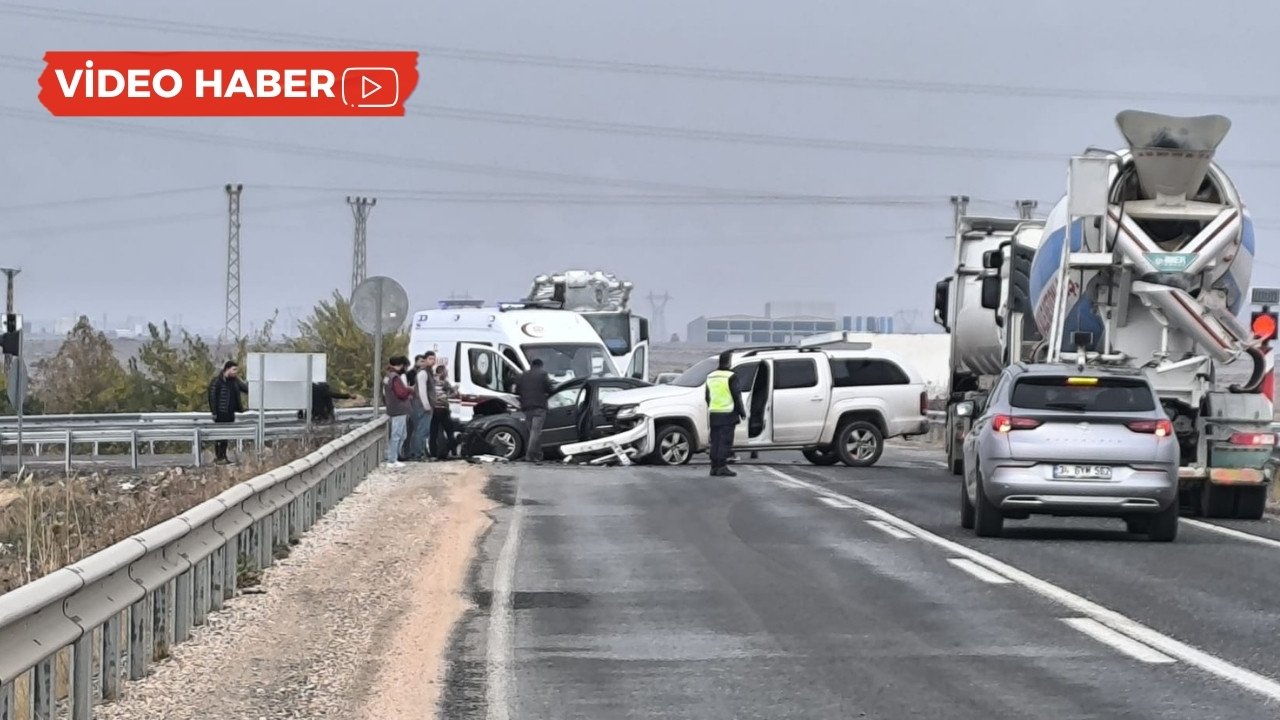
(673, 445)
(821, 456)
(859, 443)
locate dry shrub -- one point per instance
(49, 523)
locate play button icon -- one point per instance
(370, 87)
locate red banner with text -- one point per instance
(228, 83)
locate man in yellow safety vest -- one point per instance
(724, 402)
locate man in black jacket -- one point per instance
(534, 387)
(224, 402)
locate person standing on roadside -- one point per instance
(442, 414)
(534, 387)
(724, 403)
(422, 396)
(396, 394)
(225, 390)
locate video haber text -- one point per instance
(143, 83)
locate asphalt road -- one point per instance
(800, 592)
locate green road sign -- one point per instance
(1170, 262)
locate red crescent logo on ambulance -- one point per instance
(532, 329)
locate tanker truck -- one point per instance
(1153, 275)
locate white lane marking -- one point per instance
(498, 656)
(977, 570)
(886, 527)
(784, 480)
(1232, 532)
(1123, 643)
(833, 502)
(1212, 664)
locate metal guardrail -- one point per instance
(191, 432)
(162, 418)
(111, 614)
(195, 437)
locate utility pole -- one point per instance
(360, 207)
(231, 331)
(658, 307)
(9, 274)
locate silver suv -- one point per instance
(1055, 440)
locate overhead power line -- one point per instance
(634, 68)
(103, 199)
(18, 234)
(362, 156)
(666, 131)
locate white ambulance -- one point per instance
(485, 348)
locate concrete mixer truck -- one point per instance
(1156, 270)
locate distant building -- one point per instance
(754, 329)
(776, 327)
(869, 323)
(791, 309)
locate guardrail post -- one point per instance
(7, 710)
(111, 658)
(264, 543)
(133, 449)
(195, 446)
(200, 593)
(139, 619)
(82, 677)
(67, 453)
(182, 607)
(230, 559)
(42, 690)
(160, 602)
(217, 573)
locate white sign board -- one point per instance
(280, 381)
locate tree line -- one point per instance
(171, 371)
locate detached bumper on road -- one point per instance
(1130, 491)
(637, 436)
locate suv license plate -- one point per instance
(1081, 472)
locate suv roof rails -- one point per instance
(839, 337)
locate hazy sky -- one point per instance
(1009, 93)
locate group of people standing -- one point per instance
(417, 401)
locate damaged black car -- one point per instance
(573, 415)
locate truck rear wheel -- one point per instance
(859, 443)
(1216, 501)
(1251, 502)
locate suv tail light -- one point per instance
(1253, 438)
(1007, 423)
(924, 403)
(1159, 428)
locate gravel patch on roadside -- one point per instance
(319, 641)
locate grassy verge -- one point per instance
(48, 523)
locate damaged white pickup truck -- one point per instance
(832, 399)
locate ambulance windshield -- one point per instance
(565, 361)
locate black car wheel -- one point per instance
(821, 456)
(505, 442)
